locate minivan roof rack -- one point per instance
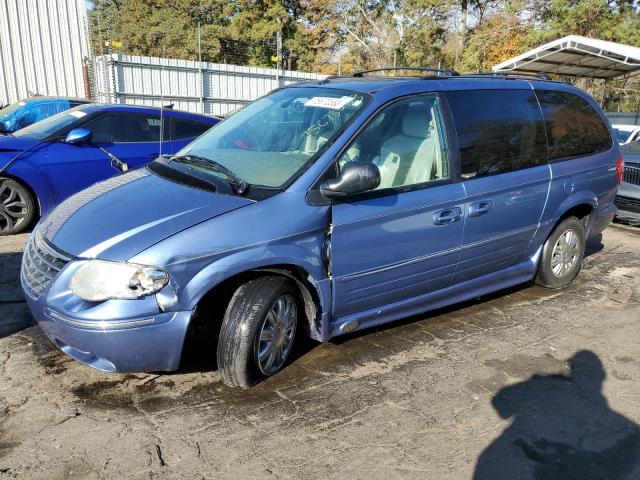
(447, 72)
(514, 75)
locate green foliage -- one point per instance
(341, 36)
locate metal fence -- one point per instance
(624, 118)
(200, 87)
(42, 48)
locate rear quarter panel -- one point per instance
(586, 180)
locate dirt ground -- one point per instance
(526, 384)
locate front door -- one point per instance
(402, 239)
(131, 137)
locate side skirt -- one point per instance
(505, 278)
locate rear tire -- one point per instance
(562, 255)
(17, 207)
(258, 330)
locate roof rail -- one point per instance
(440, 71)
(515, 75)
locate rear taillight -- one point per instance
(620, 168)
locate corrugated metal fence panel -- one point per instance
(42, 47)
(624, 118)
(201, 87)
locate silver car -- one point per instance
(628, 198)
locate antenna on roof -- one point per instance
(161, 102)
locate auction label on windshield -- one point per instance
(77, 114)
(333, 103)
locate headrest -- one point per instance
(416, 124)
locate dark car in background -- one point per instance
(29, 111)
(628, 198)
(43, 164)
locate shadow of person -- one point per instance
(562, 429)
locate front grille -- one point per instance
(632, 173)
(628, 204)
(41, 262)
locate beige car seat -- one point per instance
(409, 158)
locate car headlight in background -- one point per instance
(99, 280)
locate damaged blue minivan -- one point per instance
(321, 209)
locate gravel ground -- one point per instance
(525, 384)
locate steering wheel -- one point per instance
(247, 142)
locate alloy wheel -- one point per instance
(275, 339)
(13, 208)
(565, 253)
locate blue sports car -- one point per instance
(43, 164)
(31, 110)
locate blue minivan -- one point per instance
(46, 162)
(321, 209)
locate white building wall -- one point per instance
(42, 47)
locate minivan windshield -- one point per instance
(268, 142)
(49, 126)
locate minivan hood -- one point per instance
(120, 217)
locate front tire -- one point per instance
(258, 330)
(17, 207)
(562, 254)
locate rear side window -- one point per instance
(125, 128)
(184, 128)
(498, 131)
(573, 127)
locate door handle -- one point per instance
(446, 216)
(480, 208)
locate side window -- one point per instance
(406, 141)
(185, 128)
(498, 130)
(573, 126)
(125, 128)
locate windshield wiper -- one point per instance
(238, 183)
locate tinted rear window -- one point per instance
(573, 127)
(498, 131)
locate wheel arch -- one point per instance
(28, 186)
(580, 205)
(210, 303)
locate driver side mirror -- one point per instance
(78, 136)
(3, 128)
(355, 177)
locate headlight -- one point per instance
(99, 280)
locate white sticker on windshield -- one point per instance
(78, 114)
(332, 103)
(22, 104)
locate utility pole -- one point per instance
(201, 70)
(279, 55)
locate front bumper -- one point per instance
(138, 344)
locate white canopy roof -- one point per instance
(576, 56)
